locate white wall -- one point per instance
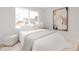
(48, 21)
(7, 20)
(73, 22)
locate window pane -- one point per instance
(21, 17)
(34, 16)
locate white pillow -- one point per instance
(11, 40)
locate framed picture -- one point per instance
(60, 19)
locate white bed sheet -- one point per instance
(52, 42)
(31, 37)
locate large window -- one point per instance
(26, 17)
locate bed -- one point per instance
(45, 40)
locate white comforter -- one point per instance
(32, 36)
(52, 42)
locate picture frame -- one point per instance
(60, 19)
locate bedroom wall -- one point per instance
(73, 23)
(7, 21)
